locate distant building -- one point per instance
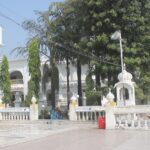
(19, 75)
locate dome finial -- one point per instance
(110, 96)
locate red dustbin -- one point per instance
(101, 122)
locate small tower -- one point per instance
(125, 89)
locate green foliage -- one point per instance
(55, 77)
(51, 74)
(46, 76)
(81, 29)
(93, 97)
(31, 87)
(89, 82)
(100, 21)
(34, 70)
(140, 95)
(45, 113)
(5, 82)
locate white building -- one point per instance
(19, 76)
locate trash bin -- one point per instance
(101, 122)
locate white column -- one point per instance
(110, 118)
(1, 116)
(87, 115)
(33, 112)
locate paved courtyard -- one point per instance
(65, 135)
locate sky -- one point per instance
(19, 11)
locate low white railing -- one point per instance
(129, 117)
(20, 113)
(89, 113)
(137, 117)
(17, 84)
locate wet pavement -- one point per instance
(65, 135)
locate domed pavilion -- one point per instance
(125, 89)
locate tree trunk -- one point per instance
(68, 86)
(97, 83)
(97, 80)
(53, 96)
(79, 82)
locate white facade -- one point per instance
(19, 75)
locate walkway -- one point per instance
(66, 135)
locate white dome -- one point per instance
(125, 76)
(110, 96)
(73, 98)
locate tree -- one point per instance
(100, 21)
(82, 28)
(89, 24)
(34, 70)
(5, 82)
(67, 35)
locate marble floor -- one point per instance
(65, 135)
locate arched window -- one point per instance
(125, 94)
(16, 75)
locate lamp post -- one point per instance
(117, 36)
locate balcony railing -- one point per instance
(17, 84)
(22, 113)
(17, 81)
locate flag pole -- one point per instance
(117, 36)
(121, 52)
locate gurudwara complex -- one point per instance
(19, 76)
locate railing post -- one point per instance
(1, 117)
(145, 124)
(110, 118)
(87, 115)
(139, 123)
(126, 123)
(72, 108)
(79, 115)
(95, 116)
(33, 110)
(132, 123)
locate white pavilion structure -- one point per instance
(125, 89)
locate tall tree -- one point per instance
(83, 28)
(5, 82)
(68, 35)
(34, 70)
(101, 20)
